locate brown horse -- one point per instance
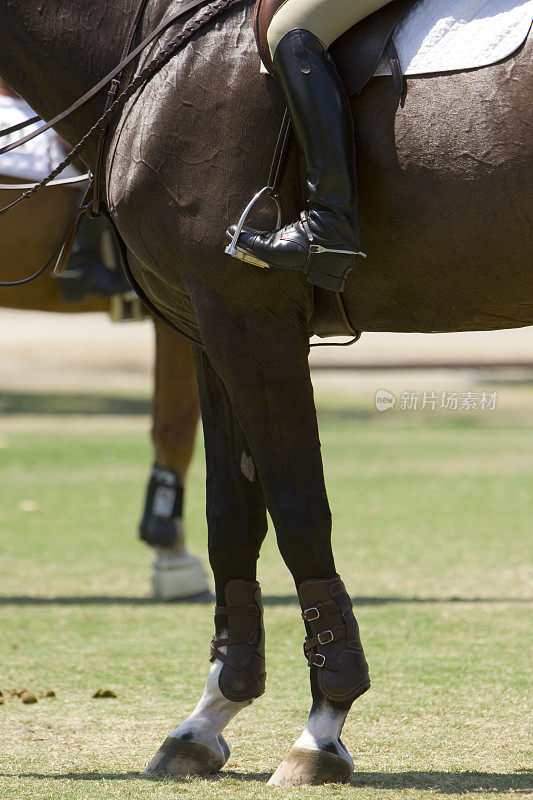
(444, 220)
(28, 237)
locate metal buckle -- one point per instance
(325, 633)
(307, 611)
(319, 655)
(232, 249)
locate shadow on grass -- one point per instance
(136, 776)
(281, 600)
(206, 597)
(443, 782)
(57, 403)
(446, 420)
(100, 600)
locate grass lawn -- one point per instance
(432, 526)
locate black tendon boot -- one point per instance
(243, 673)
(323, 242)
(333, 646)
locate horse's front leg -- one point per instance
(262, 360)
(318, 755)
(237, 525)
(255, 365)
(197, 747)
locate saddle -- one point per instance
(357, 52)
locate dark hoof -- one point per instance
(315, 767)
(181, 757)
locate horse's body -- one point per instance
(443, 213)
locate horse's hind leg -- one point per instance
(237, 525)
(176, 573)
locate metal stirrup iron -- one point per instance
(272, 190)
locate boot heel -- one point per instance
(330, 268)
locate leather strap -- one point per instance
(282, 153)
(395, 67)
(20, 125)
(231, 611)
(115, 84)
(166, 23)
(22, 187)
(68, 241)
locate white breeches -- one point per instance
(326, 19)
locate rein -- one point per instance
(212, 10)
(59, 182)
(114, 104)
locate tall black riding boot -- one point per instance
(323, 242)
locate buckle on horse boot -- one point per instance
(233, 248)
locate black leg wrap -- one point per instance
(333, 645)
(243, 673)
(164, 504)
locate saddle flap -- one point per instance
(358, 51)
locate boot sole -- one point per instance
(244, 255)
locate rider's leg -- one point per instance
(86, 275)
(323, 243)
(326, 19)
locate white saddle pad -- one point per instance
(448, 35)
(33, 160)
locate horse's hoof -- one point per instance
(303, 766)
(179, 757)
(177, 576)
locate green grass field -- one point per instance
(432, 527)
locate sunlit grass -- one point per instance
(432, 521)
